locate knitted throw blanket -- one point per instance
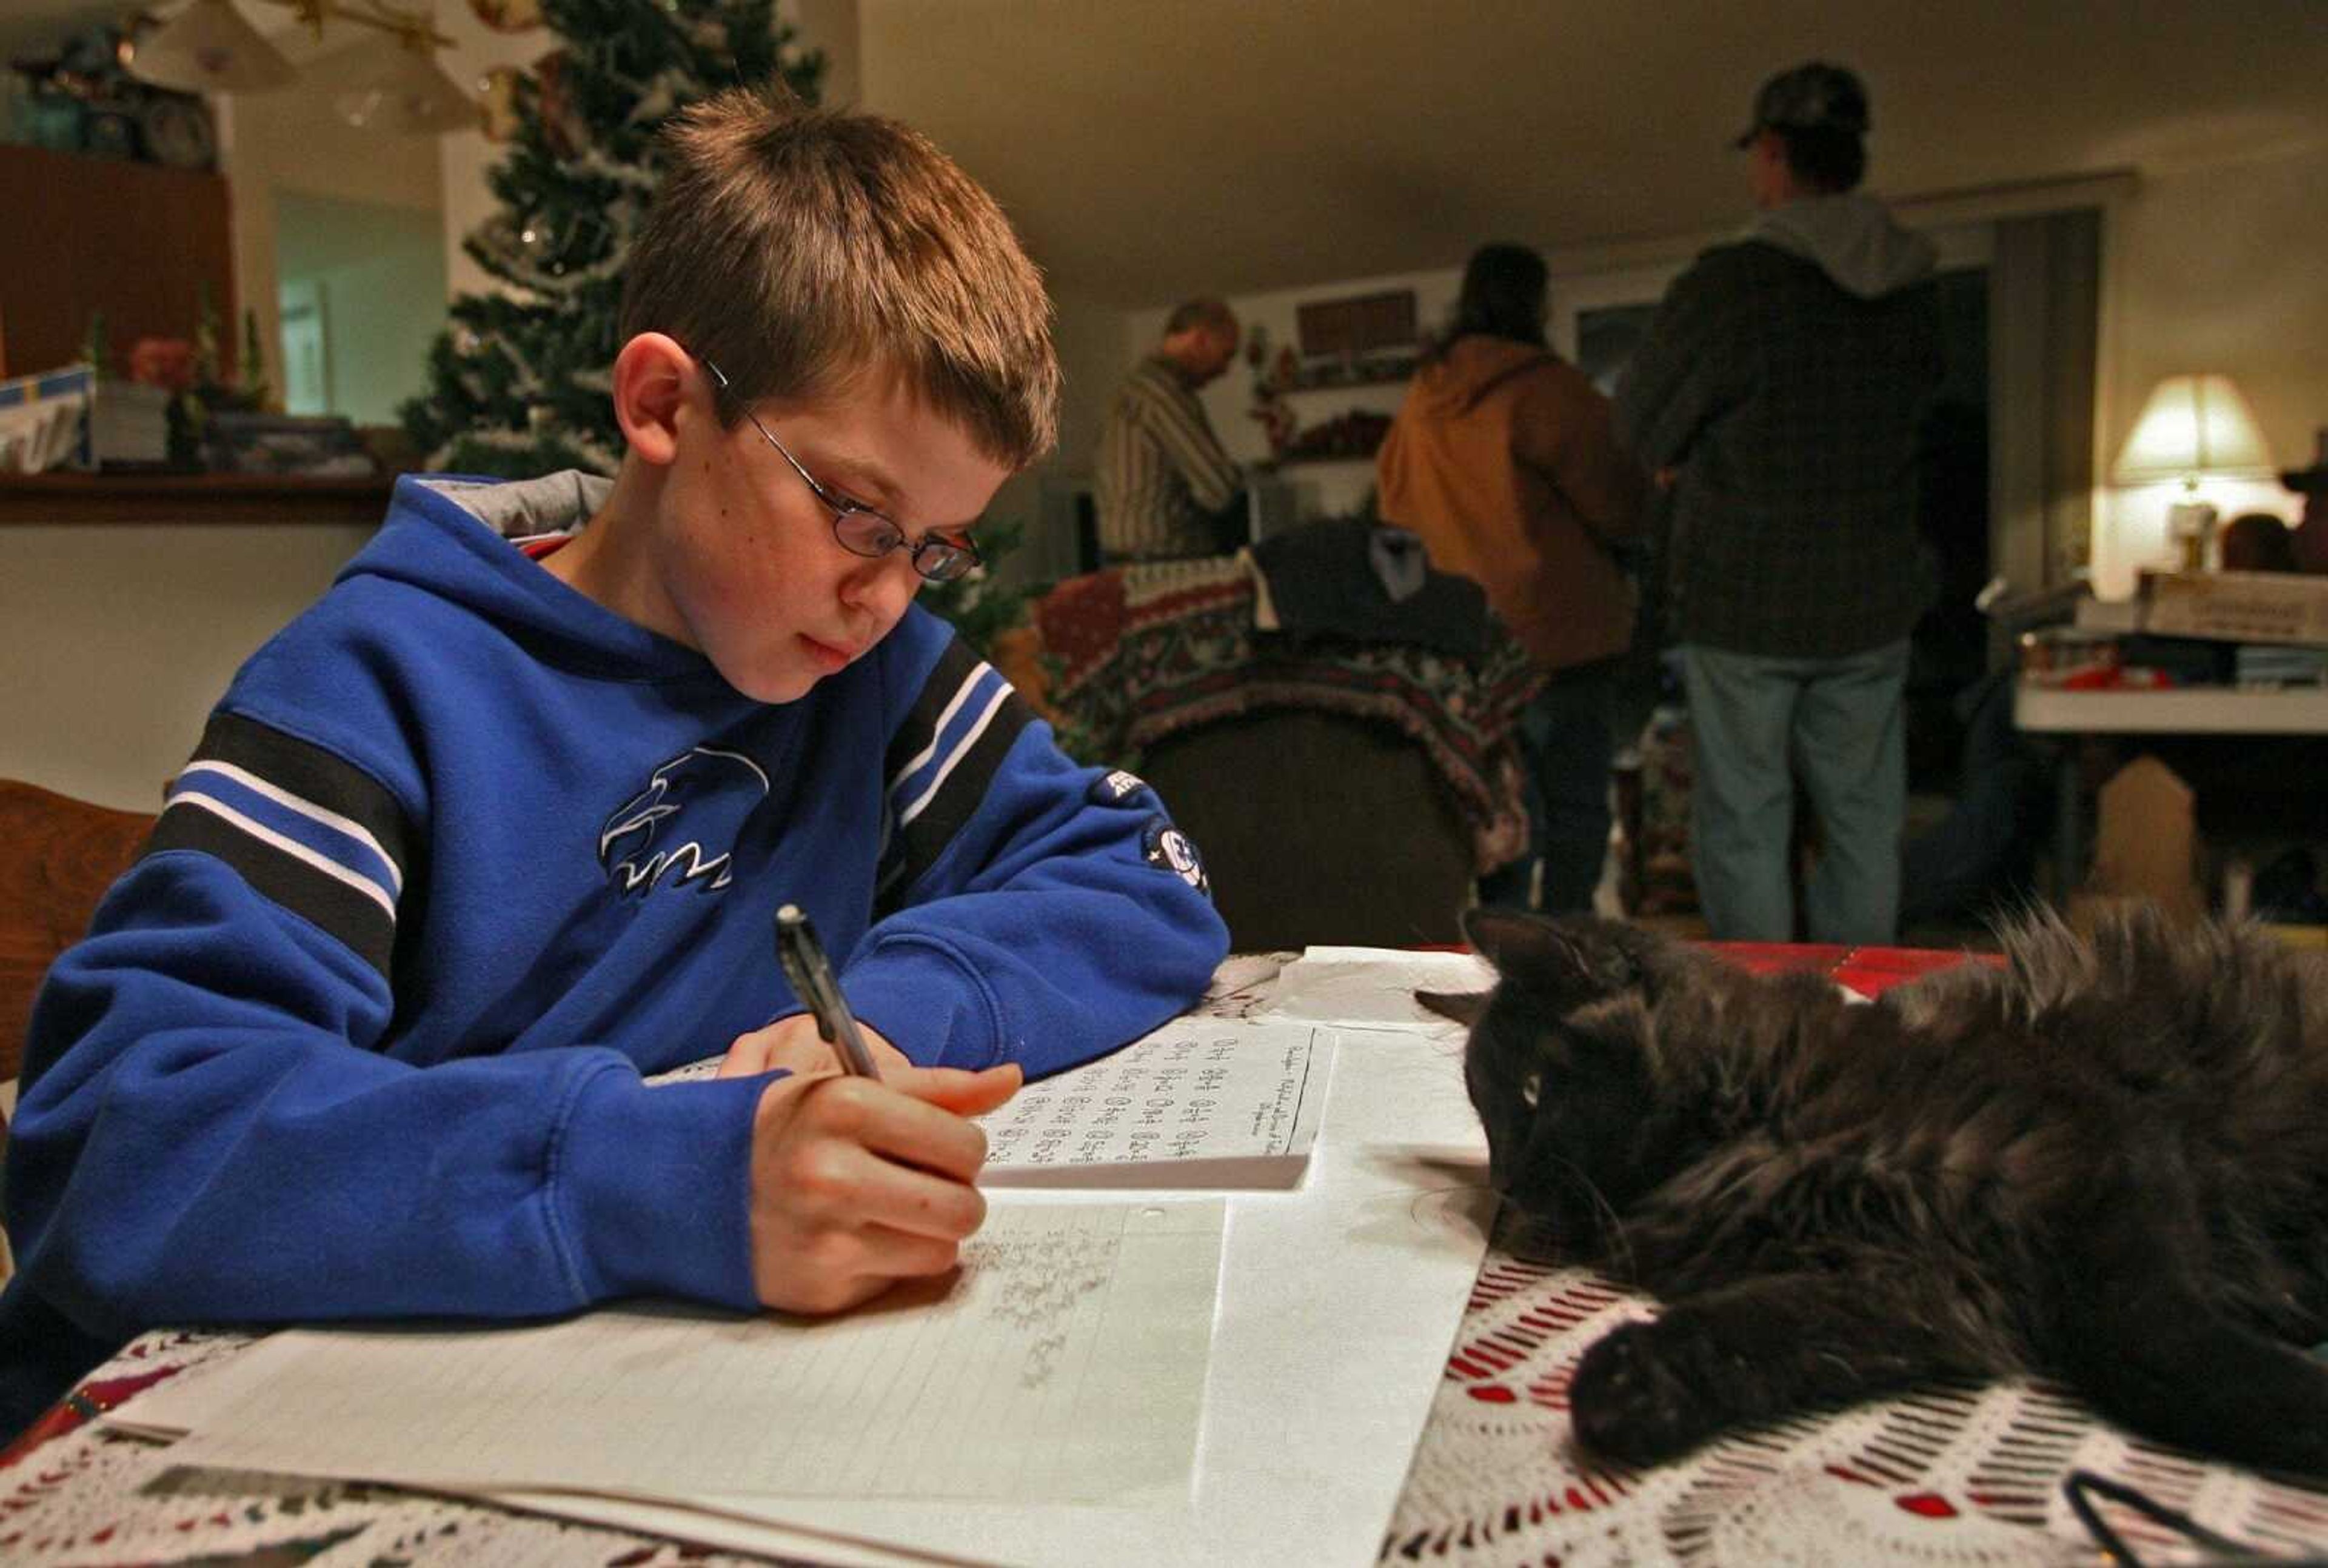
(1146, 652)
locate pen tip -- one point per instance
(789, 912)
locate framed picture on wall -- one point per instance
(1356, 325)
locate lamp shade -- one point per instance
(2193, 426)
(207, 47)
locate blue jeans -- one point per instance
(1566, 745)
(1757, 724)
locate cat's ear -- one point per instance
(1464, 1006)
(1518, 943)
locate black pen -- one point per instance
(811, 972)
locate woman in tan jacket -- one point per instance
(1501, 458)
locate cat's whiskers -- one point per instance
(1609, 1240)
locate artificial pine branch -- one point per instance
(517, 385)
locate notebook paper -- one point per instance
(1065, 1362)
(1203, 1101)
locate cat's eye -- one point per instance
(1529, 1087)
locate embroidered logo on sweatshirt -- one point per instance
(1116, 788)
(1168, 847)
(683, 825)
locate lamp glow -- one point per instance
(2193, 427)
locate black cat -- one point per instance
(2107, 1162)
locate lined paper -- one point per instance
(1065, 1362)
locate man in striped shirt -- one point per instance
(1167, 490)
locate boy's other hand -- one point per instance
(795, 1045)
(858, 1184)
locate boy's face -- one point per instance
(746, 557)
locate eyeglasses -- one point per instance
(861, 531)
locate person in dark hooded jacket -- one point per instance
(1779, 392)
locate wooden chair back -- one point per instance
(1318, 828)
(61, 856)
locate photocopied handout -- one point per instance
(1065, 1362)
(1207, 1101)
(1202, 1102)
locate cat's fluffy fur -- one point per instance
(2106, 1161)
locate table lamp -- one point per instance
(2193, 427)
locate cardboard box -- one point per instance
(2146, 846)
(2237, 606)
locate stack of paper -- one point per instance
(1200, 1102)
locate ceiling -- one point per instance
(1157, 149)
(1150, 149)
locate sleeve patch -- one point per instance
(1119, 788)
(1168, 848)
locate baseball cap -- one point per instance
(1812, 97)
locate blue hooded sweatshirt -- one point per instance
(462, 855)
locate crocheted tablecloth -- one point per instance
(1147, 652)
(1966, 1473)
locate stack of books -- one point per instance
(129, 425)
(2280, 664)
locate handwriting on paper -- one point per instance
(1203, 1101)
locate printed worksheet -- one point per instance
(1065, 1363)
(1203, 1101)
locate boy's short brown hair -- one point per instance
(801, 249)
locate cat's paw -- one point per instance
(1627, 1404)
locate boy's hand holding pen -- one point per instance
(862, 1177)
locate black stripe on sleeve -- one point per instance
(298, 887)
(920, 722)
(313, 774)
(916, 849)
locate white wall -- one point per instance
(380, 273)
(2216, 266)
(121, 637)
(290, 140)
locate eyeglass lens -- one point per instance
(870, 535)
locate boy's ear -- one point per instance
(653, 378)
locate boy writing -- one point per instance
(497, 827)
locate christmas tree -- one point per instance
(518, 383)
